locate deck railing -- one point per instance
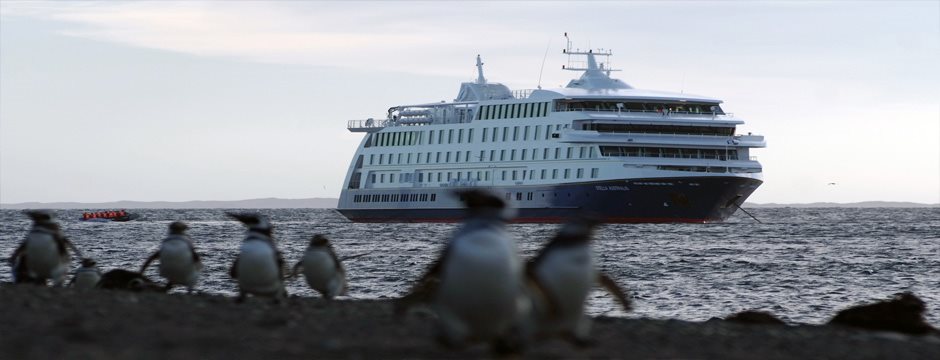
(657, 112)
(365, 125)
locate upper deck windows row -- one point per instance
(648, 106)
(661, 129)
(512, 111)
(464, 135)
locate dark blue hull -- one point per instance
(656, 200)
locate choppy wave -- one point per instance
(801, 264)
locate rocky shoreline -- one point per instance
(49, 323)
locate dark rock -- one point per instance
(904, 313)
(755, 317)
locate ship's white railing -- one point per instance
(657, 112)
(752, 158)
(522, 93)
(367, 125)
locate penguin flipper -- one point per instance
(17, 253)
(233, 271)
(553, 309)
(280, 264)
(425, 287)
(296, 270)
(619, 294)
(149, 260)
(70, 245)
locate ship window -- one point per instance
(581, 152)
(398, 161)
(486, 176)
(459, 136)
(528, 196)
(372, 178)
(420, 177)
(594, 172)
(514, 175)
(458, 176)
(525, 133)
(528, 110)
(567, 173)
(495, 131)
(449, 175)
(382, 178)
(503, 175)
(515, 133)
(470, 136)
(568, 153)
(548, 131)
(409, 158)
(447, 159)
(542, 175)
(381, 159)
(554, 173)
(458, 157)
(438, 158)
(518, 196)
(438, 177)
(505, 133)
(482, 155)
(512, 154)
(580, 173)
(502, 155)
(492, 155)
(433, 197)
(557, 153)
(371, 159)
(591, 152)
(536, 135)
(428, 158)
(483, 139)
(545, 154)
(523, 154)
(450, 136)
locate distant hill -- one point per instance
(864, 204)
(266, 203)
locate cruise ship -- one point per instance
(597, 147)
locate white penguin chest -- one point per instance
(568, 274)
(319, 268)
(42, 253)
(257, 266)
(481, 263)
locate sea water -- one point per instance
(801, 264)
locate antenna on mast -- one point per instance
(543, 62)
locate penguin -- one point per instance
(476, 283)
(562, 274)
(179, 262)
(87, 276)
(259, 267)
(44, 254)
(120, 279)
(322, 269)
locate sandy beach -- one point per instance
(47, 323)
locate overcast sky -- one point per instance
(157, 100)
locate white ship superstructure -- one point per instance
(596, 147)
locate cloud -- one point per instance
(366, 35)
